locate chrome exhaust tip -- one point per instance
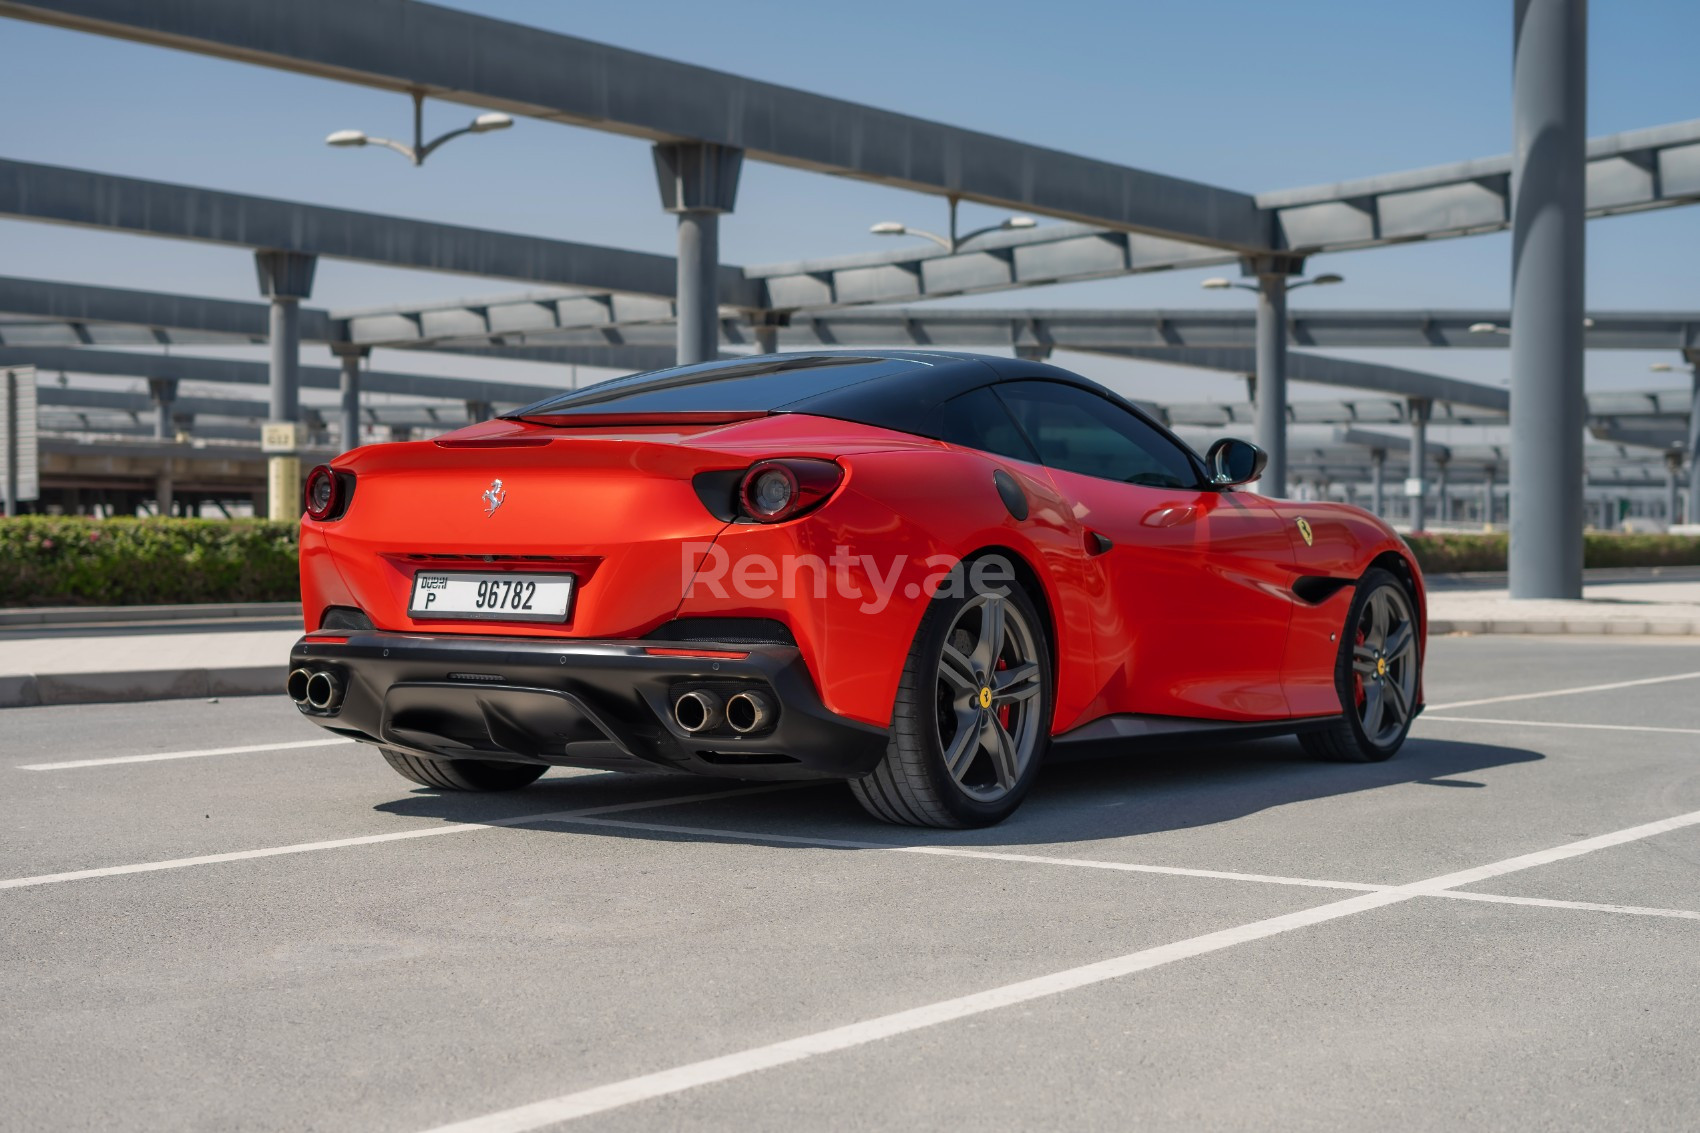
(296, 685)
(698, 711)
(324, 691)
(748, 712)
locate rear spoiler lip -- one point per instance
(603, 420)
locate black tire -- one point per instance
(463, 774)
(1365, 669)
(913, 785)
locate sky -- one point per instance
(1252, 96)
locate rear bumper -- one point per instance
(603, 704)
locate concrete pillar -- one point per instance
(1378, 482)
(400, 432)
(477, 411)
(164, 394)
(1416, 486)
(767, 339)
(163, 489)
(348, 386)
(286, 278)
(698, 182)
(1442, 505)
(1271, 403)
(1548, 133)
(1488, 508)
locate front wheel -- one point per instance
(1376, 674)
(973, 713)
(463, 774)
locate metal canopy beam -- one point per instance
(115, 363)
(403, 45)
(155, 208)
(563, 320)
(1323, 370)
(83, 304)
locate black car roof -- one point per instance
(891, 389)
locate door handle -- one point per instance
(1170, 516)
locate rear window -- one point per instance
(716, 387)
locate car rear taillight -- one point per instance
(327, 492)
(776, 490)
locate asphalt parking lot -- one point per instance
(1500, 928)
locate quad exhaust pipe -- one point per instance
(699, 711)
(319, 690)
(748, 712)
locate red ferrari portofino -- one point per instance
(918, 572)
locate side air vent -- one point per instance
(1317, 589)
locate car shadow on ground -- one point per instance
(1106, 797)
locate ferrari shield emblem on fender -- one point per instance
(494, 495)
(1304, 528)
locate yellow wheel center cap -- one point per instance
(985, 697)
(1381, 666)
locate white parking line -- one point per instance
(1562, 691)
(154, 757)
(600, 1099)
(374, 839)
(1425, 717)
(1125, 867)
(964, 852)
(1585, 906)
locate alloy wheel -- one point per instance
(1384, 664)
(989, 697)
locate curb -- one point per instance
(1617, 627)
(80, 615)
(145, 684)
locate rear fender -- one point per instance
(853, 580)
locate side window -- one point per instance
(1079, 431)
(977, 419)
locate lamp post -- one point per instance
(952, 243)
(420, 149)
(1270, 401)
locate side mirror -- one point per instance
(1232, 461)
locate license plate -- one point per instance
(498, 596)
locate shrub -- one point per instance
(1447, 553)
(75, 560)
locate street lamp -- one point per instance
(420, 149)
(953, 243)
(1495, 328)
(1217, 283)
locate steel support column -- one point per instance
(1416, 486)
(698, 182)
(1271, 404)
(164, 394)
(1377, 482)
(348, 387)
(1549, 133)
(1442, 505)
(1488, 501)
(1693, 515)
(286, 278)
(1673, 477)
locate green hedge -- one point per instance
(1440, 554)
(74, 560)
